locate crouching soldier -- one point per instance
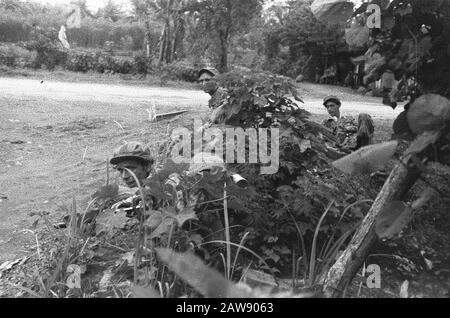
(134, 163)
(351, 135)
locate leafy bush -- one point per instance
(142, 64)
(13, 55)
(81, 61)
(49, 52)
(181, 70)
(279, 214)
(84, 61)
(277, 65)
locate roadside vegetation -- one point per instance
(313, 229)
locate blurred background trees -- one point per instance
(282, 37)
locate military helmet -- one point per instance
(132, 150)
(331, 98)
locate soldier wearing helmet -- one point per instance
(135, 157)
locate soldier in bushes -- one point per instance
(351, 135)
(218, 95)
(137, 158)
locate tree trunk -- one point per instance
(396, 187)
(162, 46)
(167, 49)
(223, 55)
(348, 264)
(174, 38)
(147, 39)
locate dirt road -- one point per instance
(128, 95)
(55, 138)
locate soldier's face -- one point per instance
(138, 168)
(333, 109)
(209, 87)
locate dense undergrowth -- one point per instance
(290, 225)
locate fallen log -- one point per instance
(401, 179)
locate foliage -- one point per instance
(142, 64)
(49, 51)
(14, 55)
(286, 206)
(83, 61)
(20, 23)
(181, 70)
(294, 27)
(94, 33)
(413, 42)
(111, 11)
(219, 21)
(253, 98)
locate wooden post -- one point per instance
(396, 187)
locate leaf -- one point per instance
(163, 228)
(404, 289)
(74, 279)
(154, 220)
(107, 192)
(106, 280)
(368, 159)
(129, 257)
(392, 219)
(387, 22)
(424, 46)
(332, 11)
(185, 215)
(304, 145)
(428, 112)
(170, 167)
(202, 278)
(403, 10)
(260, 101)
(400, 125)
(373, 66)
(357, 36)
(110, 222)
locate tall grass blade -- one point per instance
(227, 231)
(238, 251)
(312, 260)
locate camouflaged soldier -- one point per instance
(351, 135)
(137, 158)
(218, 94)
(134, 157)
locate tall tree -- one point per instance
(221, 20)
(171, 14)
(111, 11)
(310, 41)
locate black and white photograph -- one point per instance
(225, 153)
